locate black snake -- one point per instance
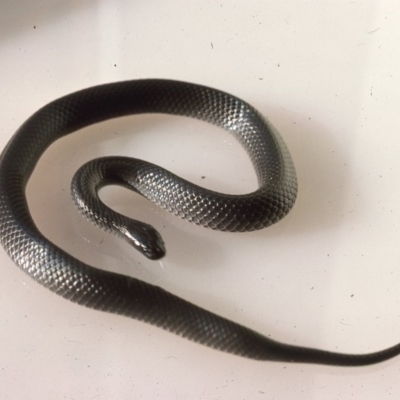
(67, 276)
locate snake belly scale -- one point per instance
(67, 276)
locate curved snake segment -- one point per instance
(67, 276)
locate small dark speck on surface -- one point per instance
(203, 177)
(352, 295)
(34, 26)
(212, 46)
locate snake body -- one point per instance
(67, 276)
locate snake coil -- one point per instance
(65, 275)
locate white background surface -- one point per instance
(327, 75)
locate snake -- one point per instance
(67, 276)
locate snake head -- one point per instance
(144, 238)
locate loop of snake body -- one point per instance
(67, 276)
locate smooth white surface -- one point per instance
(327, 75)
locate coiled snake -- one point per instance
(81, 283)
